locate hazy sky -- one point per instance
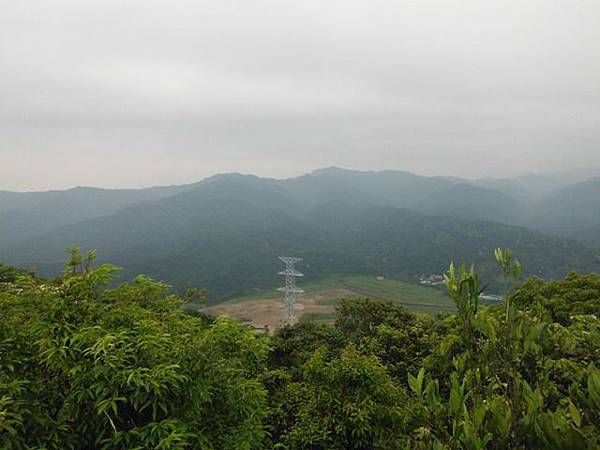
(144, 92)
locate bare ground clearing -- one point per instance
(270, 312)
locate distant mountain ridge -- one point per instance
(24, 215)
(225, 232)
(572, 211)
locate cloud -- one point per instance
(280, 87)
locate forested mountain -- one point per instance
(27, 214)
(473, 202)
(571, 211)
(225, 233)
(390, 187)
(533, 187)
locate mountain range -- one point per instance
(225, 232)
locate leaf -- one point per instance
(575, 414)
(416, 383)
(479, 415)
(594, 387)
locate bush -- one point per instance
(86, 363)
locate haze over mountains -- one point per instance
(224, 233)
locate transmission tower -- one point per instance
(290, 289)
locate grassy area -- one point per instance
(415, 297)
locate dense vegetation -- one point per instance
(86, 364)
(225, 233)
(9, 274)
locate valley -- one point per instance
(224, 233)
(264, 309)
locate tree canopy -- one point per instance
(86, 363)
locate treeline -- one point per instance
(85, 364)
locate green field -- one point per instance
(414, 297)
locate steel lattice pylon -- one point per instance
(290, 289)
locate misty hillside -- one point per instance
(473, 202)
(572, 211)
(28, 214)
(225, 232)
(534, 187)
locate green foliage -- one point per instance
(359, 317)
(294, 345)
(508, 377)
(401, 340)
(86, 363)
(463, 287)
(9, 274)
(563, 299)
(95, 367)
(346, 402)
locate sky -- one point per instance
(136, 93)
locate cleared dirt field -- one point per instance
(270, 313)
(262, 309)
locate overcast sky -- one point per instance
(141, 92)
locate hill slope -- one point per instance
(572, 211)
(27, 214)
(225, 233)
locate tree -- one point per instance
(501, 388)
(348, 402)
(95, 367)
